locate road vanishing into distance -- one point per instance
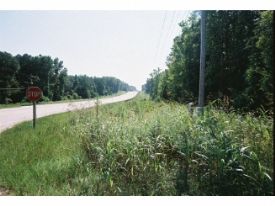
(12, 116)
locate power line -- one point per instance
(160, 35)
(167, 33)
(174, 24)
(181, 15)
(175, 18)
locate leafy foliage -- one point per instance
(238, 61)
(51, 76)
(8, 68)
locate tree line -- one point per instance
(238, 61)
(19, 72)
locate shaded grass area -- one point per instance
(12, 105)
(139, 147)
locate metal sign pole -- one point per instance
(34, 114)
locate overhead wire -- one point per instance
(169, 29)
(160, 36)
(166, 38)
(175, 24)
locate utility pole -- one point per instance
(202, 64)
(273, 72)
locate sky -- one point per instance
(124, 44)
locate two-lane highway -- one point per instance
(13, 116)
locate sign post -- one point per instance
(33, 94)
(34, 114)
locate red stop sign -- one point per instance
(34, 93)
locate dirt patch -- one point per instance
(4, 192)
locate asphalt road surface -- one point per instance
(13, 116)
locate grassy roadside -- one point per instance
(139, 147)
(12, 105)
(41, 161)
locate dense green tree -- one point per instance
(85, 88)
(180, 81)
(259, 91)
(238, 61)
(50, 75)
(229, 33)
(58, 79)
(183, 61)
(9, 67)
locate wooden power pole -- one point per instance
(273, 73)
(202, 63)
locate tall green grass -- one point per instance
(147, 148)
(43, 161)
(139, 147)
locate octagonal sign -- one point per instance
(34, 93)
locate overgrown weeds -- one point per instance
(139, 147)
(147, 148)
